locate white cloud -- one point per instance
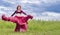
(27, 1)
(33, 1)
(50, 1)
(22, 1)
(11, 1)
(1, 12)
(49, 16)
(5, 8)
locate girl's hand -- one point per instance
(30, 16)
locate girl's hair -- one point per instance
(18, 6)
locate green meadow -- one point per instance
(35, 27)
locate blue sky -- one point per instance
(40, 9)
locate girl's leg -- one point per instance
(26, 26)
(23, 28)
(17, 29)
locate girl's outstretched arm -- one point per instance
(13, 13)
(24, 13)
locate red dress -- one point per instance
(21, 21)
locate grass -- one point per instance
(35, 27)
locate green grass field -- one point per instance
(35, 27)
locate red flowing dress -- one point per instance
(19, 24)
(21, 21)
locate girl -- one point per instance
(18, 16)
(21, 21)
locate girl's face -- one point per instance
(18, 8)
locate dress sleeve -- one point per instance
(13, 13)
(24, 13)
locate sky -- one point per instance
(39, 9)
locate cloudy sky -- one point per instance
(40, 9)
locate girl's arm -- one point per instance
(24, 13)
(13, 13)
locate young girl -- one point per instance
(21, 21)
